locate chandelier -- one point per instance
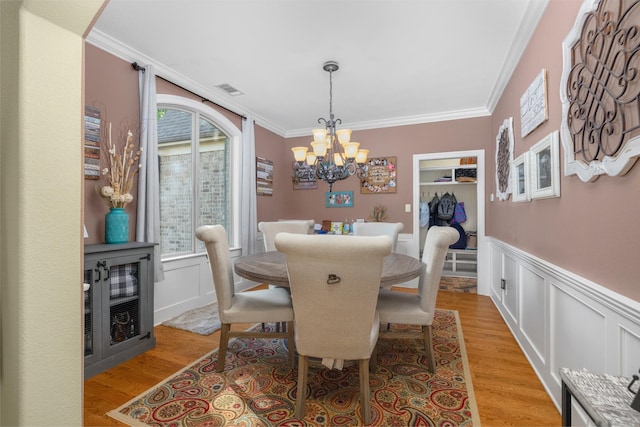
(334, 156)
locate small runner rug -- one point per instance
(203, 320)
(258, 388)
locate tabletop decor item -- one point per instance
(123, 165)
(378, 213)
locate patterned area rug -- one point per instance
(260, 388)
(202, 320)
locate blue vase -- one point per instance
(116, 226)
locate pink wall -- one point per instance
(402, 142)
(271, 147)
(111, 85)
(587, 230)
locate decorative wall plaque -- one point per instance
(381, 176)
(599, 89)
(533, 104)
(504, 159)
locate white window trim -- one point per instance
(235, 150)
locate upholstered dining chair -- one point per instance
(412, 309)
(260, 306)
(391, 229)
(334, 285)
(269, 230)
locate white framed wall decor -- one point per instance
(599, 128)
(520, 174)
(534, 109)
(504, 157)
(544, 159)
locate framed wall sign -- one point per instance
(520, 174)
(504, 157)
(264, 177)
(305, 182)
(381, 176)
(545, 167)
(339, 199)
(533, 104)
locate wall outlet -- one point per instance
(407, 208)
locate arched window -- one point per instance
(199, 150)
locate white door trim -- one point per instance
(483, 264)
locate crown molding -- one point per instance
(533, 14)
(126, 53)
(404, 121)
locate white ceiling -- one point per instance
(401, 61)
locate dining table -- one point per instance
(270, 267)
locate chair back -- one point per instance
(270, 229)
(391, 229)
(334, 282)
(215, 240)
(436, 245)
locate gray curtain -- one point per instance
(148, 224)
(249, 224)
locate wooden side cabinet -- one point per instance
(118, 304)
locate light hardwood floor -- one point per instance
(508, 393)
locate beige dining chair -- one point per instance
(271, 305)
(391, 229)
(269, 230)
(334, 285)
(419, 309)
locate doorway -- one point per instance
(435, 173)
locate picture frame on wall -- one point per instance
(339, 199)
(520, 174)
(545, 167)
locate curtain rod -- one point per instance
(137, 67)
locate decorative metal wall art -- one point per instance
(504, 158)
(600, 90)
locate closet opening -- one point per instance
(458, 174)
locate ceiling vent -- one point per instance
(229, 89)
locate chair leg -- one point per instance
(222, 348)
(373, 361)
(365, 393)
(303, 367)
(428, 348)
(291, 343)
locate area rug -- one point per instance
(203, 320)
(258, 388)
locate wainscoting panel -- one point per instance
(511, 285)
(630, 350)
(578, 325)
(532, 323)
(563, 320)
(179, 289)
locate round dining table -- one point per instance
(270, 267)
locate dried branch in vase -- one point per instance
(123, 165)
(378, 213)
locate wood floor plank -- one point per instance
(507, 391)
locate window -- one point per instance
(196, 155)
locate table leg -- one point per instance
(566, 405)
